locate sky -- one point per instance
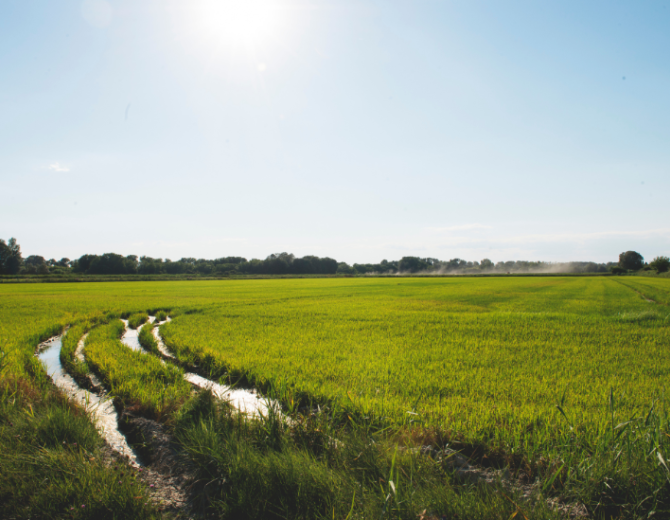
(360, 130)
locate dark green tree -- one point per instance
(11, 260)
(661, 264)
(35, 264)
(83, 264)
(5, 252)
(34, 260)
(412, 264)
(631, 260)
(344, 268)
(150, 265)
(486, 264)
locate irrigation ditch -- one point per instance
(138, 442)
(148, 449)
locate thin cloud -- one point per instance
(462, 227)
(584, 237)
(57, 167)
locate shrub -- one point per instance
(661, 264)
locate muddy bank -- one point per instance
(164, 470)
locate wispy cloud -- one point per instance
(57, 167)
(462, 227)
(584, 237)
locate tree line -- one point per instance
(13, 263)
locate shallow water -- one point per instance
(131, 337)
(246, 401)
(161, 346)
(99, 407)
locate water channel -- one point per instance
(100, 408)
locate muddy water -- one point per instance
(101, 409)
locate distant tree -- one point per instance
(233, 260)
(327, 265)
(486, 264)
(279, 263)
(150, 265)
(111, 263)
(344, 268)
(363, 268)
(5, 253)
(661, 264)
(631, 260)
(204, 267)
(176, 267)
(226, 269)
(83, 264)
(188, 261)
(34, 260)
(412, 264)
(305, 265)
(10, 257)
(35, 264)
(454, 264)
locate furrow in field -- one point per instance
(649, 288)
(159, 341)
(99, 406)
(638, 292)
(138, 381)
(246, 401)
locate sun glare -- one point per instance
(250, 22)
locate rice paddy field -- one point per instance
(555, 388)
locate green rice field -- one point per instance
(560, 380)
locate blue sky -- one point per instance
(358, 130)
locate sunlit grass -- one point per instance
(140, 381)
(560, 379)
(137, 319)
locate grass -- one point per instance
(488, 367)
(75, 367)
(137, 319)
(147, 339)
(137, 381)
(52, 465)
(251, 469)
(559, 379)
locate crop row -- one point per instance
(140, 381)
(493, 377)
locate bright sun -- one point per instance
(235, 22)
